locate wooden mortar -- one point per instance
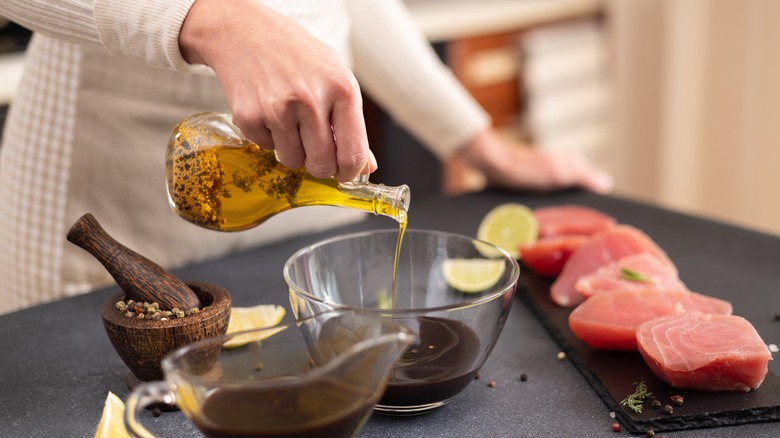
(143, 343)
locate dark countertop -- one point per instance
(57, 364)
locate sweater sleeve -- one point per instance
(69, 20)
(396, 65)
(145, 31)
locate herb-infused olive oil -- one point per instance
(219, 180)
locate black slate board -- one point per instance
(614, 375)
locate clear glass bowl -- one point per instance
(456, 330)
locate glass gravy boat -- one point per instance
(319, 376)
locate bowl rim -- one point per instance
(403, 335)
(509, 284)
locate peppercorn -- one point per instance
(615, 427)
(650, 433)
(677, 399)
(523, 377)
(668, 409)
(492, 383)
(655, 404)
(561, 355)
(133, 309)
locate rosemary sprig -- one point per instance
(635, 401)
(631, 275)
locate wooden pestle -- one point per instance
(140, 278)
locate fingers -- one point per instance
(257, 132)
(597, 181)
(305, 134)
(574, 170)
(318, 146)
(349, 130)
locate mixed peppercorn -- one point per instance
(133, 309)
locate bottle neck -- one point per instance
(385, 200)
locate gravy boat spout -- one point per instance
(318, 376)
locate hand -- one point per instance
(518, 166)
(287, 90)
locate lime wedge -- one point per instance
(472, 275)
(508, 226)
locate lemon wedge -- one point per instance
(472, 275)
(248, 318)
(112, 423)
(507, 226)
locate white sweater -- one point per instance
(103, 86)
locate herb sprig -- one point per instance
(635, 401)
(631, 275)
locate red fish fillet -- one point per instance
(567, 220)
(548, 256)
(562, 229)
(601, 249)
(704, 352)
(609, 321)
(638, 272)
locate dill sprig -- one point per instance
(636, 400)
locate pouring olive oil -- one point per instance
(220, 180)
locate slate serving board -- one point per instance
(613, 375)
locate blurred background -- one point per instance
(678, 100)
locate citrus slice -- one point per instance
(112, 423)
(508, 226)
(248, 318)
(472, 275)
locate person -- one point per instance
(106, 80)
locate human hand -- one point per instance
(286, 89)
(517, 166)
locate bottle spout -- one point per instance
(391, 201)
(395, 202)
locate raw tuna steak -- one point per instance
(609, 321)
(600, 250)
(638, 272)
(561, 230)
(704, 352)
(548, 256)
(567, 220)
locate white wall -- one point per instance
(698, 106)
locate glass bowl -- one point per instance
(456, 330)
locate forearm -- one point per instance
(397, 67)
(146, 31)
